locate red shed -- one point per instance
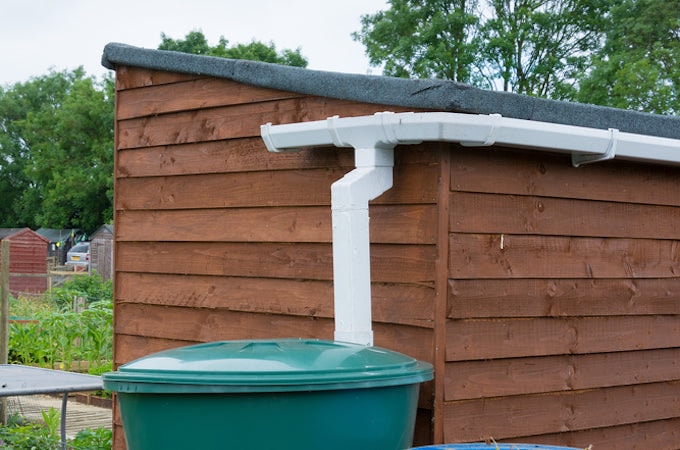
(27, 260)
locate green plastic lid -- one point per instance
(267, 366)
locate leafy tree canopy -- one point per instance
(196, 43)
(639, 65)
(56, 158)
(623, 53)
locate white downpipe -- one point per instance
(351, 244)
(374, 138)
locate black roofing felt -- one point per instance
(422, 94)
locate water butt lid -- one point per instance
(267, 366)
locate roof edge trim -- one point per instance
(424, 94)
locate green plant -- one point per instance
(27, 307)
(58, 336)
(89, 439)
(52, 419)
(27, 436)
(91, 288)
(20, 434)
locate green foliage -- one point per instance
(196, 43)
(423, 39)
(91, 288)
(28, 308)
(29, 436)
(59, 336)
(19, 434)
(56, 152)
(52, 419)
(89, 439)
(639, 65)
(537, 47)
(622, 53)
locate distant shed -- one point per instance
(546, 296)
(101, 251)
(27, 260)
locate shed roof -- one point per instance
(9, 232)
(104, 230)
(55, 234)
(442, 95)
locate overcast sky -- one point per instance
(39, 35)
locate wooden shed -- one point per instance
(546, 296)
(101, 251)
(27, 260)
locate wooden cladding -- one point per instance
(563, 301)
(546, 296)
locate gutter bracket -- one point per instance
(580, 159)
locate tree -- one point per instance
(529, 46)
(538, 47)
(639, 65)
(423, 39)
(196, 43)
(57, 143)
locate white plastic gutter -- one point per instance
(374, 138)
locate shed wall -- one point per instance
(562, 319)
(218, 239)
(28, 263)
(101, 254)
(546, 296)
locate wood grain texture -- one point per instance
(247, 189)
(395, 224)
(514, 214)
(522, 256)
(527, 297)
(167, 323)
(408, 304)
(506, 338)
(526, 172)
(389, 263)
(201, 93)
(531, 415)
(534, 375)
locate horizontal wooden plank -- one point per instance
(273, 188)
(229, 122)
(515, 214)
(129, 77)
(191, 94)
(519, 376)
(224, 156)
(391, 303)
(508, 338)
(660, 434)
(309, 187)
(529, 297)
(247, 155)
(521, 256)
(130, 347)
(400, 224)
(207, 324)
(389, 263)
(511, 171)
(530, 415)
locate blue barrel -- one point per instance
(493, 446)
